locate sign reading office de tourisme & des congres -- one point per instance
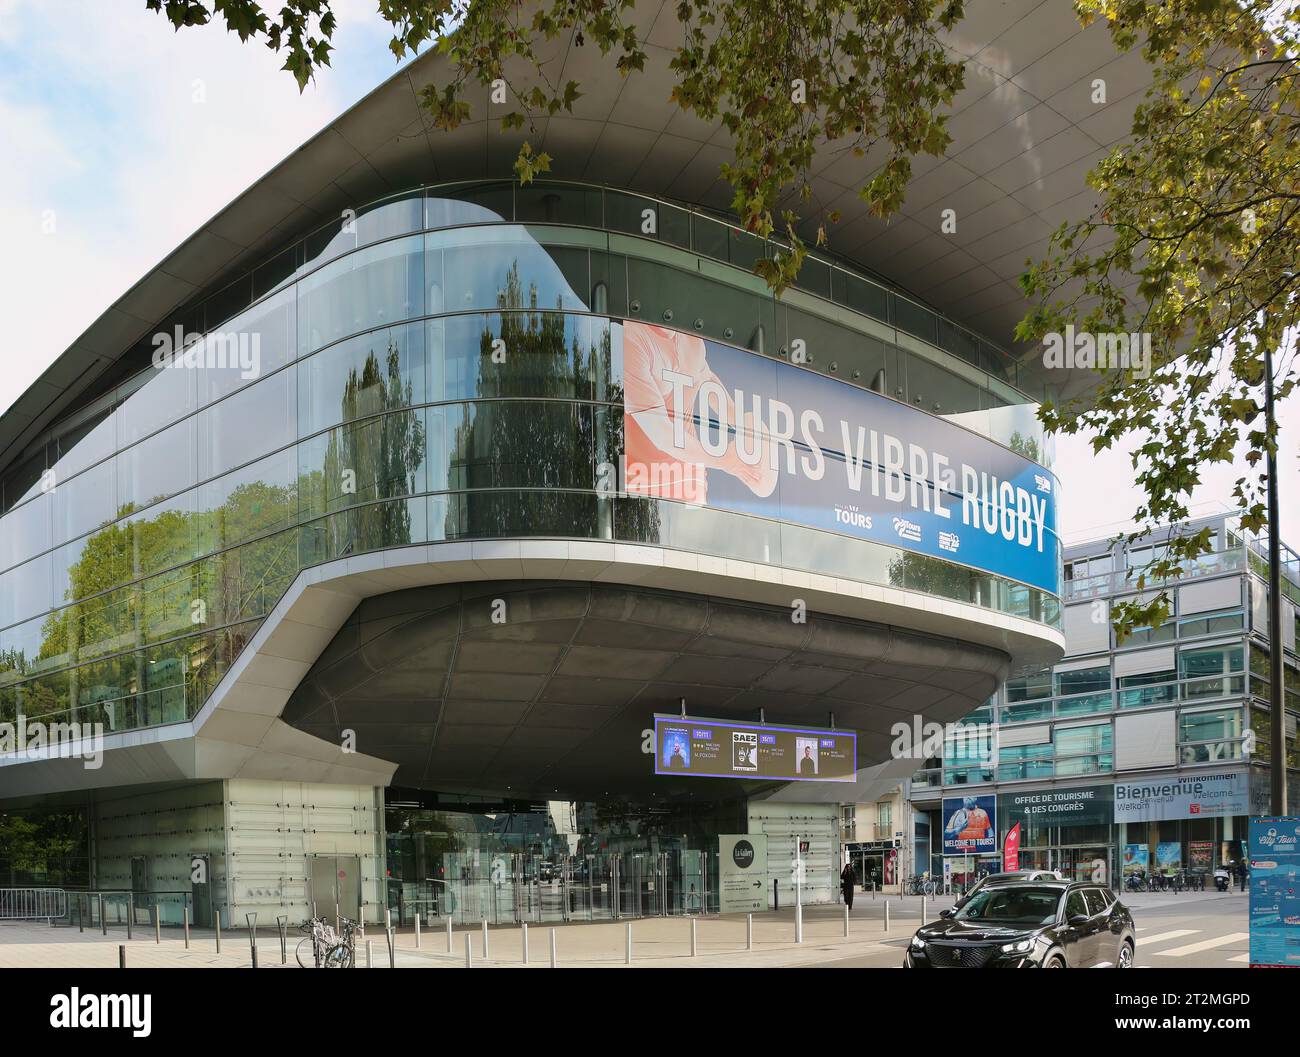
(717, 426)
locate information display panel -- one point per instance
(722, 749)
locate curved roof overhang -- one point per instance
(1025, 133)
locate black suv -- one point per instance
(1029, 924)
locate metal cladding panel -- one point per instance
(1145, 740)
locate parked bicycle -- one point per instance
(920, 885)
(324, 948)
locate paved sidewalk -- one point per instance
(657, 942)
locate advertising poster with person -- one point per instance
(970, 825)
(712, 425)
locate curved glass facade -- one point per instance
(347, 398)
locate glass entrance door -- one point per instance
(1084, 863)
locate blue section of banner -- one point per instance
(863, 465)
(1275, 891)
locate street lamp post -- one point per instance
(1277, 709)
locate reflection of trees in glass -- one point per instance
(1026, 446)
(43, 847)
(920, 572)
(551, 444)
(163, 682)
(378, 458)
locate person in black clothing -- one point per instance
(847, 880)
(1243, 871)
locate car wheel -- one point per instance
(1125, 955)
(1054, 962)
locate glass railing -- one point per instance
(1215, 751)
(1232, 559)
(1144, 696)
(1212, 686)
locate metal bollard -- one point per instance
(749, 932)
(185, 920)
(695, 939)
(628, 958)
(886, 915)
(282, 924)
(121, 955)
(485, 940)
(392, 948)
(846, 921)
(798, 923)
(369, 963)
(553, 958)
(216, 920)
(157, 923)
(388, 918)
(417, 930)
(81, 921)
(524, 942)
(923, 909)
(130, 913)
(251, 919)
(103, 921)
(449, 935)
(469, 953)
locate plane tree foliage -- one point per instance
(870, 77)
(1193, 240)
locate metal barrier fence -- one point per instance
(121, 908)
(32, 904)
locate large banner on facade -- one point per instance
(714, 749)
(711, 425)
(970, 825)
(1208, 795)
(1274, 849)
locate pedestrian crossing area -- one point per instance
(1157, 945)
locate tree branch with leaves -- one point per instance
(868, 78)
(1194, 241)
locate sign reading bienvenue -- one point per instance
(1208, 795)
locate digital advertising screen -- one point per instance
(716, 426)
(970, 825)
(720, 749)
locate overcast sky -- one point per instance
(108, 139)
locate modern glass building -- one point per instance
(374, 528)
(1146, 755)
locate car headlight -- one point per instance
(1019, 947)
(918, 944)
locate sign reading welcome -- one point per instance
(1208, 795)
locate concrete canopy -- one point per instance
(555, 701)
(1025, 127)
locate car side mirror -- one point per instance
(1079, 919)
(947, 912)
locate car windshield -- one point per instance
(1012, 906)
